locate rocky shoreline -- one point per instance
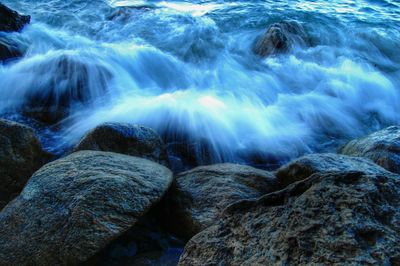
(113, 199)
(105, 206)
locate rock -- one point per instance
(10, 20)
(127, 139)
(305, 166)
(198, 196)
(349, 218)
(8, 50)
(144, 244)
(280, 37)
(125, 13)
(67, 82)
(73, 207)
(187, 154)
(21, 154)
(382, 147)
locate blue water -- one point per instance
(187, 70)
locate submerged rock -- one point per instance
(280, 37)
(68, 81)
(127, 139)
(382, 147)
(10, 20)
(125, 13)
(198, 196)
(73, 207)
(8, 50)
(187, 154)
(307, 165)
(21, 154)
(349, 218)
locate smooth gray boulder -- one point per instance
(73, 207)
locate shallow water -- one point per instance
(187, 70)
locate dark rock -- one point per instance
(10, 20)
(125, 13)
(73, 207)
(127, 139)
(147, 243)
(198, 196)
(305, 166)
(189, 153)
(333, 218)
(21, 154)
(280, 37)
(67, 82)
(8, 50)
(382, 147)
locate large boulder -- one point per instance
(198, 196)
(307, 165)
(73, 207)
(382, 147)
(21, 154)
(127, 139)
(332, 218)
(280, 37)
(10, 20)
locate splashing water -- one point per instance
(187, 70)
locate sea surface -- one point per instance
(187, 69)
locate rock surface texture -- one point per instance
(382, 147)
(329, 218)
(198, 196)
(73, 207)
(127, 139)
(10, 20)
(280, 37)
(20, 156)
(307, 165)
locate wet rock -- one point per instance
(198, 196)
(68, 81)
(187, 154)
(125, 13)
(349, 218)
(127, 139)
(280, 37)
(21, 154)
(10, 20)
(382, 147)
(8, 50)
(73, 207)
(147, 243)
(305, 166)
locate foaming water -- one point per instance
(187, 70)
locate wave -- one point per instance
(188, 71)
